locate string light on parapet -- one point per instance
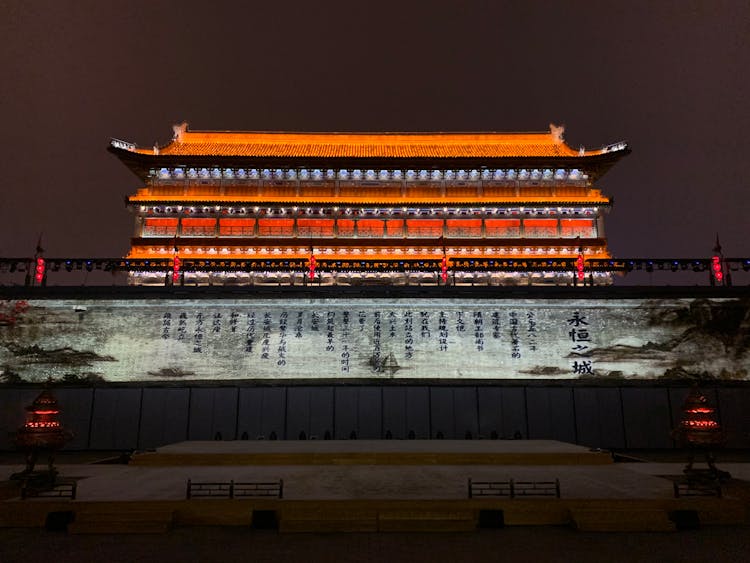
(162, 269)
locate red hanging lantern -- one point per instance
(444, 269)
(716, 269)
(579, 267)
(717, 266)
(176, 269)
(313, 264)
(41, 268)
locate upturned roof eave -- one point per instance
(594, 164)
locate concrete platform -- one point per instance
(395, 493)
(373, 452)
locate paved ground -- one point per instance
(623, 480)
(122, 482)
(373, 446)
(615, 481)
(711, 545)
(112, 482)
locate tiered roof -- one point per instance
(424, 150)
(368, 145)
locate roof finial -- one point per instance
(179, 130)
(557, 132)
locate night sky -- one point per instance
(671, 78)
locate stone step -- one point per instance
(622, 520)
(108, 521)
(329, 521)
(427, 521)
(374, 521)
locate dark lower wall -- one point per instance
(148, 417)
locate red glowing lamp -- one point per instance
(699, 425)
(176, 269)
(716, 269)
(40, 270)
(579, 267)
(42, 431)
(313, 264)
(444, 269)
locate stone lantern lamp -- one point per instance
(700, 432)
(42, 433)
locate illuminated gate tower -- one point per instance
(370, 207)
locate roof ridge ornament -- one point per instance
(179, 130)
(557, 133)
(124, 145)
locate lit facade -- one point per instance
(369, 207)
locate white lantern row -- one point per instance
(370, 175)
(458, 211)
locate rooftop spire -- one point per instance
(717, 248)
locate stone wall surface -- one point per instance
(375, 340)
(603, 372)
(149, 417)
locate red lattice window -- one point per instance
(315, 227)
(425, 227)
(583, 228)
(345, 227)
(370, 228)
(236, 227)
(506, 228)
(161, 227)
(394, 227)
(464, 227)
(540, 228)
(275, 227)
(203, 227)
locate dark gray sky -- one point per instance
(671, 78)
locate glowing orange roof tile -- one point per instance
(593, 198)
(367, 145)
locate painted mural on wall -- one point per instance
(168, 340)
